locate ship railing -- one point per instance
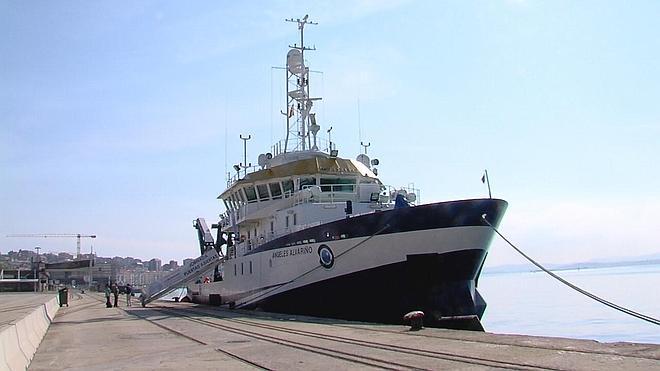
(325, 194)
(240, 174)
(278, 147)
(392, 192)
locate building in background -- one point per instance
(61, 269)
(154, 265)
(65, 256)
(138, 277)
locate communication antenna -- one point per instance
(365, 146)
(228, 177)
(329, 138)
(358, 112)
(298, 95)
(301, 23)
(245, 165)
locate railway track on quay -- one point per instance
(542, 344)
(351, 351)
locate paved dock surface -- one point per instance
(24, 321)
(88, 336)
(16, 305)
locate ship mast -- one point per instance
(299, 103)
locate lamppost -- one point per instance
(91, 259)
(35, 269)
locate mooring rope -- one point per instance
(630, 312)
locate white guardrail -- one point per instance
(19, 340)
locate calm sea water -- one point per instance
(533, 303)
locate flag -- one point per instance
(483, 178)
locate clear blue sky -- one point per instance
(116, 116)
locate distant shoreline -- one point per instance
(567, 267)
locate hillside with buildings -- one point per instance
(65, 269)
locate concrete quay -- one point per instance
(24, 320)
(173, 336)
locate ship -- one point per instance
(309, 232)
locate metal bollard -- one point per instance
(416, 319)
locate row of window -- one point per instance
(270, 263)
(277, 190)
(287, 224)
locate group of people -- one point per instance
(114, 290)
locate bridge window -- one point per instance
(275, 190)
(295, 219)
(232, 202)
(288, 186)
(240, 196)
(308, 181)
(250, 266)
(262, 189)
(241, 269)
(337, 184)
(250, 194)
(237, 201)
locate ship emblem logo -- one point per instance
(326, 257)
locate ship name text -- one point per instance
(298, 250)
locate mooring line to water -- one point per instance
(630, 312)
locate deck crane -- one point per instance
(78, 236)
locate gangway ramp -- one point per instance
(188, 272)
(180, 277)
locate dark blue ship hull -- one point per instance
(443, 285)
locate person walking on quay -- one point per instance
(128, 294)
(115, 292)
(107, 296)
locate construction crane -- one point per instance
(47, 235)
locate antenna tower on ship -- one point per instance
(300, 121)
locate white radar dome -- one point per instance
(262, 160)
(294, 61)
(364, 160)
